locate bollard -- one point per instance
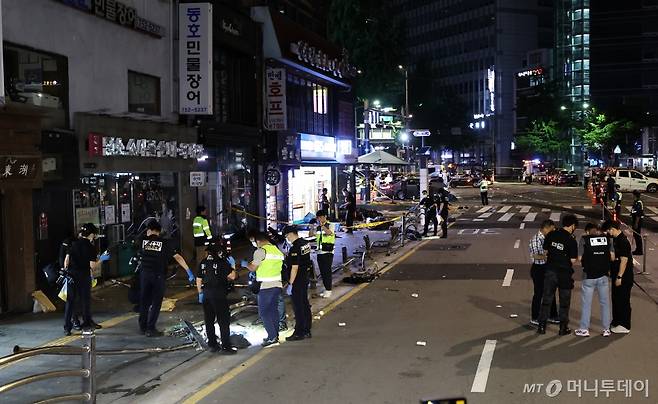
(644, 254)
(89, 363)
(403, 230)
(344, 252)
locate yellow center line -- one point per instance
(233, 373)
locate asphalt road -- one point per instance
(478, 343)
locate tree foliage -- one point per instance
(374, 39)
(599, 132)
(546, 137)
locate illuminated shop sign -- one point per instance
(321, 61)
(316, 147)
(107, 146)
(491, 86)
(532, 72)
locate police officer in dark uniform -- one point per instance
(562, 252)
(298, 267)
(637, 214)
(622, 279)
(444, 201)
(429, 203)
(154, 257)
(212, 280)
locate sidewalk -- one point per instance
(127, 378)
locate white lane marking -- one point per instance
(629, 208)
(482, 210)
(555, 216)
(482, 372)
(478, 220)
(522, 226)
(508, 277)
(530, 217)
(517, 243)
(504, 209)
(484, 215)
(636, 263)
(579, 216)
(525, 209)
(587, 207)
(506, 217)
(651, 208)
(545, 210)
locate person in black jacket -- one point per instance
(622, 279)
(299, 265)
(80, 260)
(428, 202)
(212, 279)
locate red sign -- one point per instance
(95, 143)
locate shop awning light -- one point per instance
(202, 158)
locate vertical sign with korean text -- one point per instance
(275, 98)
(2, 71)
(195, 58)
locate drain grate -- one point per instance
(446, 247)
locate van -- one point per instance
(631, 180)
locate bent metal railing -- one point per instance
(87, 372)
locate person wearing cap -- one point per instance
(212, 280)
(202, 233)
(80, 260)
(154, 256)
(267, 262)
(637, 214)
(299, 265)
(326, 239)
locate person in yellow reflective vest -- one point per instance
(326, 239)
(202, 234)
(268, 264)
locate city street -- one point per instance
(397, 348)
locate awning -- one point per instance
(382, 158)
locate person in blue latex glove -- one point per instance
(154, 256)
(231, 261)
(105, 256)
(200, 297)
(244, 264)
(289, 290)
(190, 276)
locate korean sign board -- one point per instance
(195, 58)
(275, 97)
(18, 168)
(105, 146)
(119, 13)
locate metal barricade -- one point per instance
(87, 372)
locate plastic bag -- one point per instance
(63, 292)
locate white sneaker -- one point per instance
(325, 294)
(606, 333)
(582, 333)
(534, 322)
(620, 330)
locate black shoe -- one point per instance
(308, 335)
(96, 325)
(444, 236)
(228, 351)
(541, 328)
(154, 333)
(564, 330)
(77, 326)
(283, 327)
(295, 337)
(67, 332)
(214, 348)
(87, 327)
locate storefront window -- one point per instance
(304, 186)
(35, 77)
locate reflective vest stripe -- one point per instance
(274, 257)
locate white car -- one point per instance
(631, 180)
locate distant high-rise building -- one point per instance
(474, 49)
(311, 14)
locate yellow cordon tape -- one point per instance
(356, 226)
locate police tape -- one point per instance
(356, 226)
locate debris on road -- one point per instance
(421, 343)
(513, 315)
(414, 295)
(498, 306)
(342, 324)
(392, 290)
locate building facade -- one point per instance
(474, 49)
(102, 76)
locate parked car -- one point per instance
(565, 177)
(461, 180)
(631, 180)
(404, 188)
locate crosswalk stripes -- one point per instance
(482, 210)
(485, 215)
(530, 217)
(506, 217)
(504, 209)
(555, 216)
(629, 208)
(587, 207)
(653, 209)
(524, 209)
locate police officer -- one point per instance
(637, 214)
(443, 200)
(617, 198)
(267, 262)
(326, 239)
(80, 260)
(154, 257)
(561, 253)
(213, 275)
(622, 279)
(429, 203)
(299, 265)
(595, 253)
(202, 233)
(484, 191)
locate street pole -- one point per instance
(366, 142)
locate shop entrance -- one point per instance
(122, 204)
(304, 187)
